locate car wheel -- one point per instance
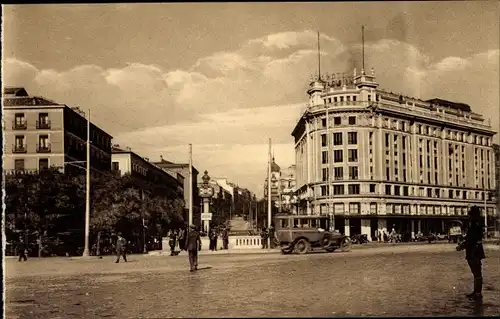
(345, 244)
(302, 246)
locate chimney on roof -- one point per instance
(128, 149)
(146, 158)
(161, 158)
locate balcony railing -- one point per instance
(43, 125)
(19, 126)
(45, 148)
(19, 148)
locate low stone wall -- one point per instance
(245, 242)
(235, 242)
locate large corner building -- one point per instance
(40, 133)
(377, 160)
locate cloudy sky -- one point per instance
(226, 77)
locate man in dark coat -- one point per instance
(21, 250)
(474, 252)
(172, 241)
(213, 239)
(193, 244)
(225, 238)
(121, 248)
(271, 235)
(264, 236)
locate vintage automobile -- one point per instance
(455, 232)
(301, 234)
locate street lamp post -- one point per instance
(87, 193)
(87, 189)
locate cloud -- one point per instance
(227, 104)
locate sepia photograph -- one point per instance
(251, 159)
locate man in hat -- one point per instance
(21, 250)
(193, 244)
(474, 252)
(121, 248)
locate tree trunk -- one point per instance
(98, 251)
(39, 244)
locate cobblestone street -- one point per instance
(426, 280)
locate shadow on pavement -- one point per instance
(205, 268)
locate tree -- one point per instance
(41, 203)
(120, 203)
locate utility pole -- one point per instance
(269, 193)
(190, 184)
(87, 193)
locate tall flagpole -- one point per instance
(269, 193)
(87, 192)
(319, 60)
(190, 185)
(363, 43)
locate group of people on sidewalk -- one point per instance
(215, 233)
(178, 237)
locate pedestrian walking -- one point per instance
(474, 251)
(121, 248)
(21, 251)
(263, 237)
(193, 244)
(172, 241)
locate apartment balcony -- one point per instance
(43, 148)
(19, 149)
(19, 126)
(43, 125)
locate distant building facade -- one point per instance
(288, 197)
(40, 133)
(149, 175)
(283, 188)
(382, 160)
(183, 170)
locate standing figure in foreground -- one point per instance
(121, 248)
(193, 244)
(474, 252)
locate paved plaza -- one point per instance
(425, 280)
